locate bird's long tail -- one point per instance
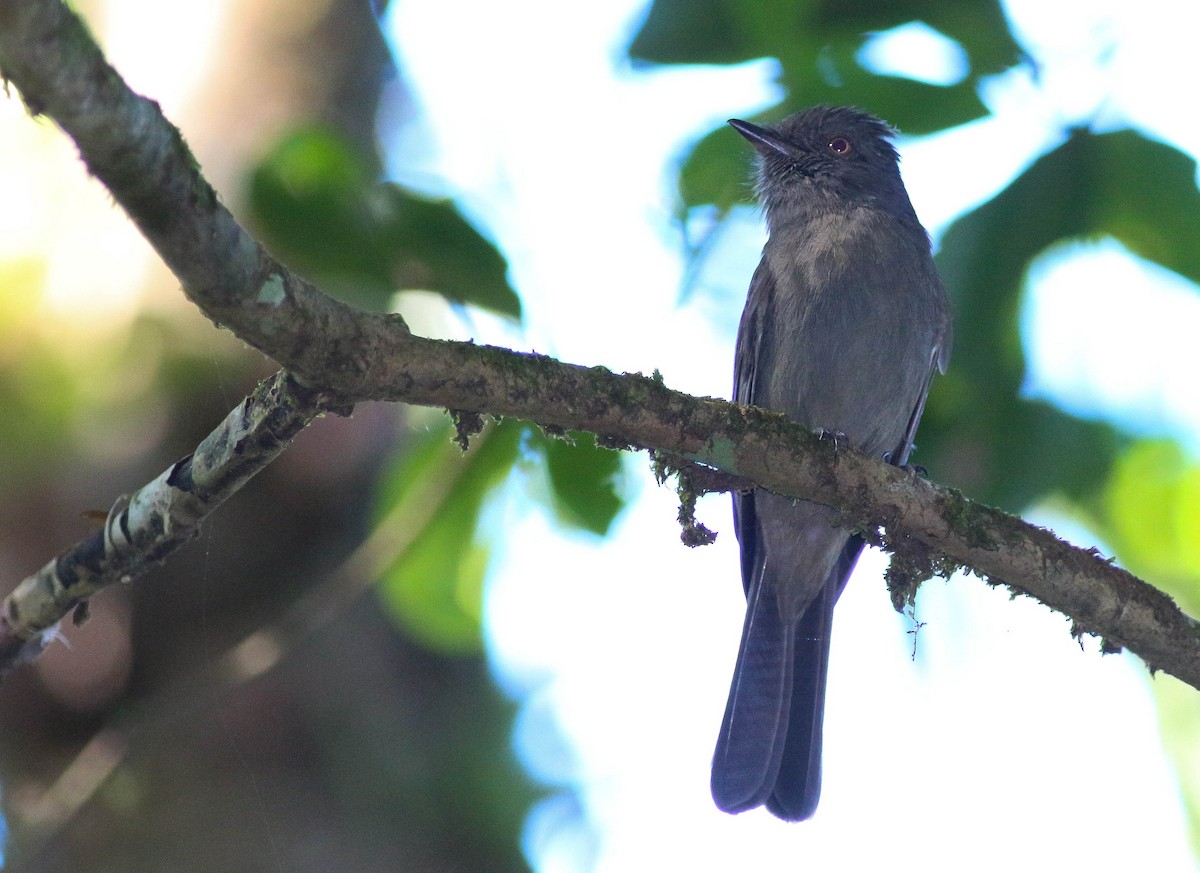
(769, 749)
(754, 730)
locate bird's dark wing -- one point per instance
(939, 358)
(755, 318)
(750, 745)
(899, 455)
(755, 322)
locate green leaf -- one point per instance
(583, 479)
(434, 587)
(1179, 723)
(718, 171)
(797, 31)
(912, 107)
(435, 248)
(980, 27)
(317, 205)
(817, 44)
(1152, 516)
(698, 32)
(1001, 448)
(1141, 192)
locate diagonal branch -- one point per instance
(163, 515)
(46, 53)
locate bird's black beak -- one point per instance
(765, 140)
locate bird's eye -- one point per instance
(840, 146)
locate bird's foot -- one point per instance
(914, 469)
(840, 440)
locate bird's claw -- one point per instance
(840, 440)
(914, 469)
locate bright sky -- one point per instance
(1003, 741)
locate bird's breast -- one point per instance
(849, 338)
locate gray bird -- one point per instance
(844, 326)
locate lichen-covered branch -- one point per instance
(46, 52)
(163, 515)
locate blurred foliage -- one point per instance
(37, 388)
(446, 770)
(315, 199)
(583, 478)
(73, 390)
(317, 204)
(999, 446)
(817, 44)
(1141, 496)
(1151, 516)
(434, 585)
(800, 31)
(1177, 720)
